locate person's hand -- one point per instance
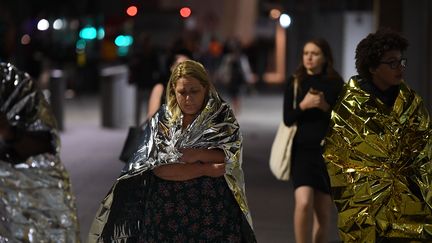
(314, 99)
(322, 103)
(310, 100)
(214, 170)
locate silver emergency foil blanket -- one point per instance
(36, 203)
(214, 127)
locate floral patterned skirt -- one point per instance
(198, 210)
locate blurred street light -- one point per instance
(132, 11)
(58, 24)
(88, 33)
(275, 13)
(101, 33)
(25, 39)
(43, 25)
(80, 45)
(185, 12)
(123, 40)
(285, 20)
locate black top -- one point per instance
(388, 96)
(144, 68)
(312, 124)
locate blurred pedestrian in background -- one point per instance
(211, 55)
(7, 33)
(144, 71)
(318, 88)
(185, 182)
(157, 95)
(36, 203)
(235, 72)
(156, 99)
(378, 149)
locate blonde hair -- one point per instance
(185, 69)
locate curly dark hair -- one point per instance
(328, 68)
(371, 49)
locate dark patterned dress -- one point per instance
(198, 210)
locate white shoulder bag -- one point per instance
(281, 151)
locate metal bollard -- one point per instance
(57, 88)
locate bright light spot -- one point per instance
(88, 33)
(132, 11)
(43, 25)
(285, 20)
(101, 33)
(31, 235)
(123, 40)
(80, 45)
(275, 13)
(185, 12)
(58, 24)
(56, 73)
(25, 39)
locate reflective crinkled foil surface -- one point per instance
(379, 162)
(36, 204)
(215, 127)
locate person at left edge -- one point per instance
(36, 201)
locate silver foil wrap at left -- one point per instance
(36, 202)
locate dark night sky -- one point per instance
(48, 8)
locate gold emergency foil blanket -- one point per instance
(379, 162)
(36, 203)
(215, 127)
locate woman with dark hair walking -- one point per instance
(318, 86)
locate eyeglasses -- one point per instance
(396, 63)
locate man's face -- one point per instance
(390, 70)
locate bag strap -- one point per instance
(295, 84)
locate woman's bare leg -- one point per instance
(322, 212)
(303, 211)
